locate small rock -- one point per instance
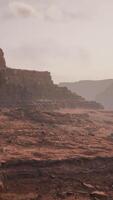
(68, 194)
(60, 195)
(64, 195)
(99, 195)
(52, 176)
(88, 186)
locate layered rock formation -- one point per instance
(23, 87)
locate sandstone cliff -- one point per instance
(24, 87)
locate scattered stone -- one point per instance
(88, 186)
(52, 176)
(60, 195)
(69, 194)
(99, 195)
(81, 192)
(63, 195)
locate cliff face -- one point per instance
(24, 87)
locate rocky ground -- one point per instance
(67, 154)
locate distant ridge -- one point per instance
(106, 97)
(96, 90)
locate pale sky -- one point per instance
(73, 39)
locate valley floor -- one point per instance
(66, 154)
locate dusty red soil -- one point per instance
(67, 154)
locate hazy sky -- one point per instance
(73, 39)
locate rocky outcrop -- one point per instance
(24, 87)
(31, 87)
(2, 60)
